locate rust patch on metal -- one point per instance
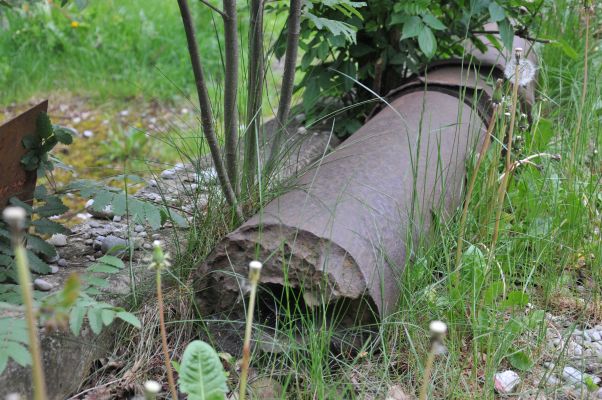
(14, 180)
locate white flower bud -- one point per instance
(14, 216)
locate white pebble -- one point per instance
(505, 382)
(41, 284)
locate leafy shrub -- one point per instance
(384, 42)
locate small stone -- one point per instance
(41, 284)
(105, 213)
(586, 336)
(117, 218)
(505, 382)
(88, 134)
(51, 260)
(573, 375)
(54, 269)
(168, 174)
(156, 236)
(124, 113)
(147, 246)
(58, 240)
(62, 263)
(143, 234)
(152, 183)
(556, 342)
(90, 257)
(109, 244)
(301, 130)
(89, 242)
(139, 228)
(596, 336)
(598, 394)
(552, 380)
(94, 224)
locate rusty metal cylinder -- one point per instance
(344, 233)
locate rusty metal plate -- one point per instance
(14, 180)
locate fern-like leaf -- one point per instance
(202, 375)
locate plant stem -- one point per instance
(583, 88)
(288, 78)
(427, 373)
(254, 271)
(205, 105)
(503, 186)
(230, 91)
(255, 92)
(170, 379)
(473, 178)
(39, 384)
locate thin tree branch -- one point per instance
(230, 91)
(214, 8)
(205, 105)
(255, 87)
(519, 34)
(288, 78)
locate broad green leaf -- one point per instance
(63, 135)
(506, 33)
(107, 316)
(433, 22)
(516, 299)
(202, 375)
(40, 246)
(521, 361)
(36, 264)
(496, 12)
(129, 318)
(111, 260)
(412, 28)
(53, 206)
(94, 318)
(45, 226)
(427, 42)
(19, 353)
(43, 126)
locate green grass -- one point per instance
(119, 50)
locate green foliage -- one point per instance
(13, 342)
(381, 44)
(202, 375)
(68, 307)
(140, 211)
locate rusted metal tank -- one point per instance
(344, 233)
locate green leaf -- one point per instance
(107, 316)
(19, 353)
(111, 260)
(506, 33)
(433, 22)
(43, 126)
(40, 246)
(53, 206)
(566, 48)
(94, 318)
(76, 319)
(516, 299)
(36, 264)
(63, 135)
(45, 226)
(129, 318)
(427, 42)
(496, 12)
(521, 361)
(412, 28)
(202, 375)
